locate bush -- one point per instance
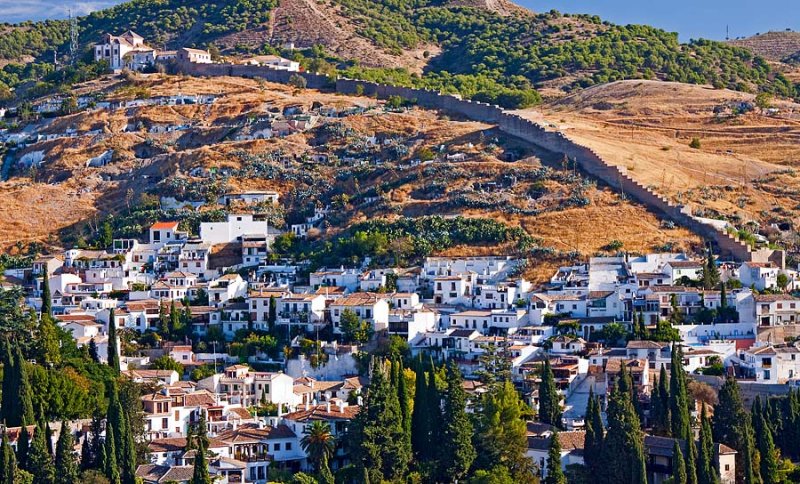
(695, 143)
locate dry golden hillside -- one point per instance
(561, 209)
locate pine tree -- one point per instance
(23, 447)
(770, 466)
(65, 458)
(22, 407)
(457, 451)
(420, 417)
(40, 462)
(555, 475)
(706, 470)
(110, 456)
(549, 398)
(378, 430)
(595, 433)
(113, 348)
(501, 432)
(678, 465)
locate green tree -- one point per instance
(325, 474)
(353, 328)
(770, 464)
(200, 472)
(501, 438)
(549, 398)
(40, 462)
(679, 397)
(165, 362)
(65, 457)
(623, 447)
(593, 438)
(8, 462)
(457, 450)
(273, 313)
(711, 276)
(555, 475)
(678, 465)
(110, 456)
(405, 404)
(420, 417)
(318, 443)
(729, 423)
(751, 472)
(377, 430)
(706, 470)
(47, 338)
(21, 410)
(47, 299)
(660, 405)
(297, 81)
(23, 447)
(113, 345)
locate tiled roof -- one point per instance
(164, 225)
(645, 345)
(320, 412)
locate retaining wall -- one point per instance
(515, 125)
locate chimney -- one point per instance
(360, 401)
(340, 404)
(328, 406)
(307, 406)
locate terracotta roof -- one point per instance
(251, 433)
(164, 225)
(762, 298)
(683, 264)
(645, 345)
(358, 299)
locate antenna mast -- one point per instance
(73, 38)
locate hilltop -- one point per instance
(773, 46)
(489, 50)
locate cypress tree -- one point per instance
(48, 437)
(549, 398)
(23, 446)
(678, 465)
(163, 319)
(770, 466)
(435, 411)
(22, 412)
(8, 404)
(659, 413)
(691, 460)
(593, 439)
(457, 451)
(174, 319)
(750, 473)
(420, 437)
(706, 470)
(729, 422)
(711, 276)
(623, 447)
(65, 458)
(273, 313)
(377, 430)
(93, 353)
(200, 475)
(113, 348)
(555, 475)
(679, 398)
(40, 462)
(405, 411)
(87, 459)
(47, 300)
(7, 461)
(110, 456)
(127, 460)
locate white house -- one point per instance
(370, 307)
(126, 50)
(234, 228)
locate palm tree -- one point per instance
(318, 441)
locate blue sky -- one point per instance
(690, 18)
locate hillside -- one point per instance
(64, 201)
(773, 46)
(743, 171)
(492, 51)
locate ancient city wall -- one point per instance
(517, 126)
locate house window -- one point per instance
(288, 446)
(727, 467)
(164, 423)
(277, 447)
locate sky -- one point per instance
(690, 18)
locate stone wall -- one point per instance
(515, 125)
